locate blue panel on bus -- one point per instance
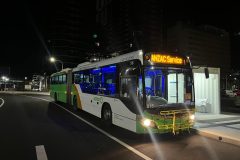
(95, 71)
(109, 69)
(100, 80)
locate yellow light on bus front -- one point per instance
(146, 122)
(192, 117)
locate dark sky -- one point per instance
(21, 49)
(23, 52)
(224, 14)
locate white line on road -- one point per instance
(41, 153)
(2, 102)
(102, 131)
(37, 98)
(109, 135)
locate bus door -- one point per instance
(128, 86)
(129, 93)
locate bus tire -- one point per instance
(55, 97)
(75, 103)
(107, 115)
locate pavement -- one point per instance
(223, 127)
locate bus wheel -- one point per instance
(75, 103)
(107, 115)
(55, 97)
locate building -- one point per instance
(38, 83)
(69, 36)
(206, 45)
(129, 25)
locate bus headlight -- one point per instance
(192, 117)
(148, 123)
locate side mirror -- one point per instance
(206, 71)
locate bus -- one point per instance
(141, 92)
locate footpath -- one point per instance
(223, 127)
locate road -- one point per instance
(34, 128)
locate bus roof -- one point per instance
(64, 71)
(125, 57)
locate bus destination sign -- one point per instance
(167, 59)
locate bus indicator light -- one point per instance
(166, 59)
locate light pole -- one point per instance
(227, 80)
(52, 59)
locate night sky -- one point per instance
(21, 49)
(23, 52)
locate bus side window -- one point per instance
(64, 79)
(60, 79)
(109, 80)
(86, 85)
(56, 80)
(76, 78)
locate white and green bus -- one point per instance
(137, 91)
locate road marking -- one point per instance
(102, 131)
(37, 98)
(41, 153)
(109, 135)
(2, 102)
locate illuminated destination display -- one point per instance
(166, 59)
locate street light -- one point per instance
(53, 60)
(5, 79)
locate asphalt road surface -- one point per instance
(34, 128)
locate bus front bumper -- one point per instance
(166, 122)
